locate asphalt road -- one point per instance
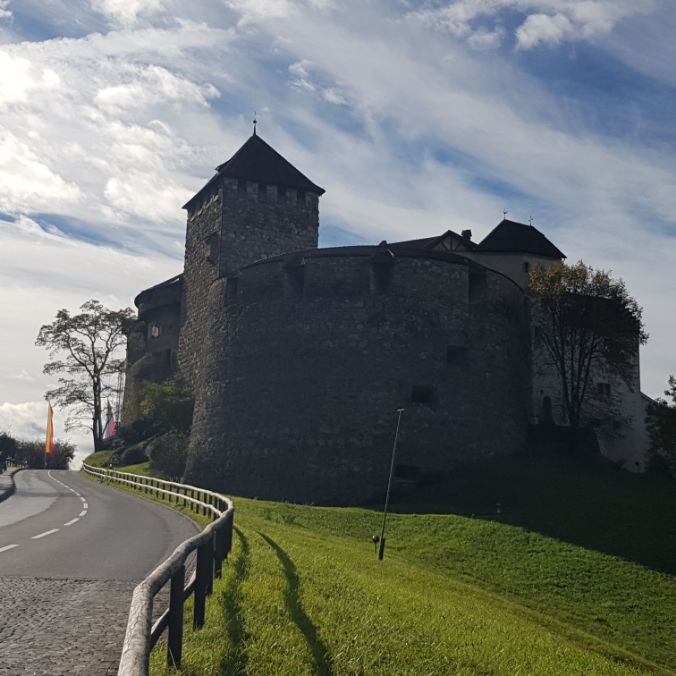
(71, 551)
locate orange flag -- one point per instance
(49, 443)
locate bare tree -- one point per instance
(586, 320)
(87, 350)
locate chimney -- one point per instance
(467, 234)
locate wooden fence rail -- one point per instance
(213, 545)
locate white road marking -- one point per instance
(47, 532)
(6, 547)
(72, 521)
(82, 513)
(85, 505)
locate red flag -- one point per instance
(110, 430)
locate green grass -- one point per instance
(555, 584)
(98, 459)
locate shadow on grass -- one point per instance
(235, 662)
(320, 652)
(587, 503)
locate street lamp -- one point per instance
(381, 550)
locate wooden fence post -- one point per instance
(175, 638)
(203, 565)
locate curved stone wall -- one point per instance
(310, 356)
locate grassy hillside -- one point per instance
(573, 576)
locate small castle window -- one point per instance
(300, 196)
(241, 185)
(155, 331)
(262, 190)
(454, 354)
(212, 248)
(281, 193)
(477, 283)
(424, 394)
(406, 472)
(526, 266)
(603, 389)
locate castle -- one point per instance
(299, 357)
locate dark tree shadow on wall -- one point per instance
(235, 661)
(320, 651)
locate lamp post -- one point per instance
(381, 550)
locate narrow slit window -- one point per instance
(424, 394)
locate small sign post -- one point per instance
(381, 550)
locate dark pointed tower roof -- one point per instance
(512, 237)
(258, 161)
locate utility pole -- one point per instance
(381, 551)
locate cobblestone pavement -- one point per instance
(52, 614)
(71, 553)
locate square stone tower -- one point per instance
(257, 205)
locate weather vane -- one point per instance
(504, 213)
(255, 122)
(530, 220)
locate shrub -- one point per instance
(134, 454)
(168, 454)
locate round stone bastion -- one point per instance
(309, 356)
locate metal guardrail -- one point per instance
(213, 545)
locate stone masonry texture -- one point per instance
(302, 376)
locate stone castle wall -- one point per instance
(308, 357)
(232, 225)
(152, 343)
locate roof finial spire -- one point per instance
(255, 122)
(504, 214)
(530, 221)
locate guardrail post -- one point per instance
(201, 573)
(212, 551)
(175, 623)
(228, 534)
(220, 551)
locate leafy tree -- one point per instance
(586, 320)
(86, 349)
(8, 448)
(32, 454)
(167, 406)
(662, 428)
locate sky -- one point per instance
(415, 116)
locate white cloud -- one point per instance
(127, 12)
(544, 28)
(4, 12)
(545, 21)
(27, 182)
(150, 85)
(137, 194)
(483, 39)
(18, 78)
